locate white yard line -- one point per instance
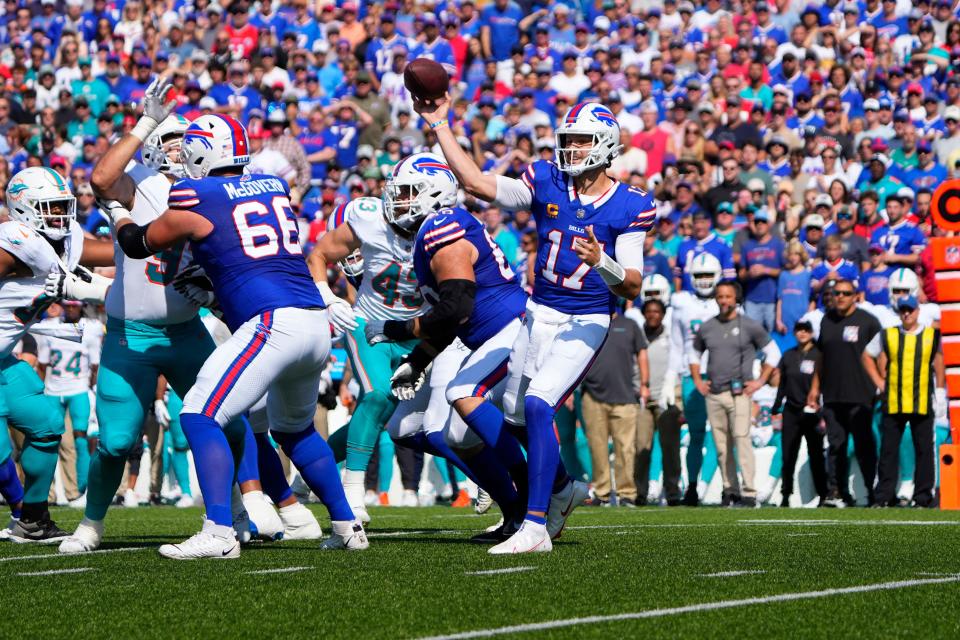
(494, 572)
(56, 572)
(801, 535)
(817, 523)
(280, 570)
(692, 608)
(731, 574)
(71, 555)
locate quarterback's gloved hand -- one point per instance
(161, 413)
(155, 108)
(940, 404)
(82, 284)
(374, 331)
(406, 381)
(113, 210)
(341, 313)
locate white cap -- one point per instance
(906, 192)
(648, 106)
(951, 113)
(756, 184)
(601, 22)
(823, 200)
(207, 103)
(871, 104)
(813, 220)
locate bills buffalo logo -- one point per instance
(431, 167)
(605, 116)
(196, 133)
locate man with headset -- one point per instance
(732, 342)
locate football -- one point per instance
(426, 79)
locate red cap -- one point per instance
(816, 77)
(914, 87)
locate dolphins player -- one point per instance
(42, 238)
(70, 369)
(690, 310)
(246, 240)
(152, 329)
(590, 249)
(388, 291)
(903, 282)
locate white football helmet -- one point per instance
(657, 287)
(420, 185)
(587, 119)
(213, 141)
(40, 198)
(164, 142)
(903, 282)
(704, 272)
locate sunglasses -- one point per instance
(844, 293)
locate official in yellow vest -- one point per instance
(906, 365)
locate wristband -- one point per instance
(439, 123)
(144, 127)
(610, 270)
(399, 330)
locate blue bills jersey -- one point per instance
(253, 256)
(499, 297)
(564, 282)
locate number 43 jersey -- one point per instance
(253, 255)
(389, 290)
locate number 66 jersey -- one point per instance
(389, 288)
(253, 255)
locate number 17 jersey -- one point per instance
(563, 281)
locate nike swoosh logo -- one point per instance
(565, 512)
(439, 221)
(226, 551)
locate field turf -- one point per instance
(704, 573)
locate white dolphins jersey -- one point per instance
(888, 317)
(68, 362)
(141, 289)
(22, 300)
(689, 312)
(389, 289)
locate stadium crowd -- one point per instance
(799, 144)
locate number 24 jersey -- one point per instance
(563, 281)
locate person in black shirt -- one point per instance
(848, 392)
(800, 420)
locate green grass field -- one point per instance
(709, 572)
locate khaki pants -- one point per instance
(649, 419)
(730, 419)
(601, 422)
(68, 466)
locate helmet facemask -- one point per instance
(54, 215)
(574, 160)
(164, 157)
(407, 202)
(352, 265)
(704, 282)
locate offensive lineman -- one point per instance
(245, 238)
(590, 248)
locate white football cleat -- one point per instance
(86, 538)
(347, 535)
(361, 514)
(370, 498)
(530, 538)
(299, 523)
(5, 532)
(213, 541)
(78, 503)
(356, 495)
(410, 498)
(562, 504)
(130, 499)
(185, 502)
(263, 516)
(484, 502)
(495, 527)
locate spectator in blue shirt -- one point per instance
(793, 292)
(500, 28)
(927, 174)
(834, 266)
(761, 262)
(433, 46)
(875, 280)
(703, 241)
(900, 238)
(653, 260)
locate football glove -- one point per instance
(940, 404)
(113, 210)
(155, 106)
(80, 284)
(161, 413)
(406, 381)
(341, 313)
(194, 284)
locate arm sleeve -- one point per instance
(629, 250)
(442, 232)
(513, 194)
